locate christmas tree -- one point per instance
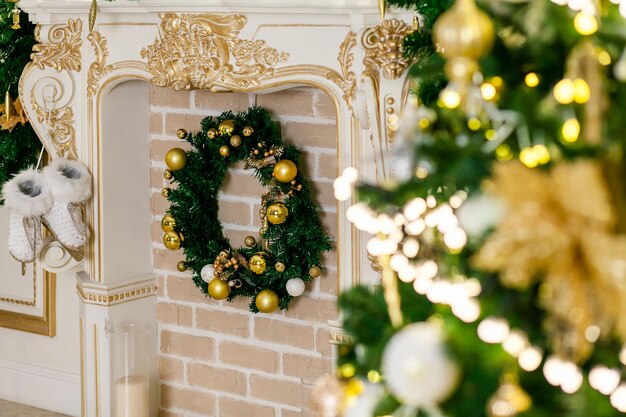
(501, 240)
(19, 144)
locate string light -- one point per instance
(488, 91)
(531, 79)
(603, 379)
(585, 23)
(564, 91)
(493, 330)
(582, 93)
(450, 98)
(570, 130)
(530, 358)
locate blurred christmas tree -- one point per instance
(504, 264)
(19, 144)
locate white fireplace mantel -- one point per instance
(340, 47)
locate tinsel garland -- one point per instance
(297, 244)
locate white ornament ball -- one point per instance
(417, 369)
(207, 273)
(295, 287)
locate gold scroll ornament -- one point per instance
(559, 231)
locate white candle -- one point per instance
(132, 397)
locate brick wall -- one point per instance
(217, 359)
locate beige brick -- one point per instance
(328, 166)
(222, 322)
(324, 106)
(329, 221)
(156, 178)
(184, 289)
(324, 194)
(156, 123)
(212, 377)
(322, 344)
(189, 346)
(158, 204)
(231, 407)
(276, 331)
(307, 163)
(282, 392)
(171, 313)
(165, 413)
(311, 309)
(242, 185)
(156, 232)
(235, 213)
(172, 370)
(288, 102)
(248, 356)
(310, 134)
(186, 399)
(303, 365)
(159, 148)
(328, 282)
(161, 291)
(221, 101)
(167, 97)
(289, 413)
(174, 121)
(330, 258)
(236, 238)
(166, 259)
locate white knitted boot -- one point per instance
(70, 185)
(27, 197)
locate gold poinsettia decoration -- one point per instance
(560, 229)
(11, 114)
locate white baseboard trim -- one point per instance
(40, 387)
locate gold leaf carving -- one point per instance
(195, 52)
(60, 125)
(97, 69)
(63, 51)
(346, 80)
(383, 47)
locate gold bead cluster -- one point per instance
(227, 128)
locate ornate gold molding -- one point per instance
(89, 296)
(383, 47)
(60, 125)
(195, 52)
(98, 68)
(347, 80)
(63, 51)
(340, 338)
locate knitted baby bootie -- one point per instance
(28, 198)
(70, 186)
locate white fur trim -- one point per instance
(17, 198)
(69, 181)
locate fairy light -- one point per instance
(570, 130)
(618, 398)
(493, 330)
(604, 58)
(410, 247)
(542, 154)
(582, 93)
(503, 153)
(529, 157)
(585, 23)
(488, 91)
(474, 124)
(414, 209)
(531, 79)
(515, 343)
(564, 91)
(530, 358)
(450, 98)
(603, 379)
(564, 374)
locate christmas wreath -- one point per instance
(272, 269)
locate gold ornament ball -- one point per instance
(165, 192)
(224, 151)
(280, 267)
(171, 240)
(249, 241)
(181, 266)
(211, 133)
(226, 127)
(263, 231)
(176, 159)
(285, 171)
(267, 301)
(181, 134)
(277, 213)
(167, 174)
(168, 223)
(218, 289)
(257, 263)
(247, 131)
(315, 271)
(235, 141)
